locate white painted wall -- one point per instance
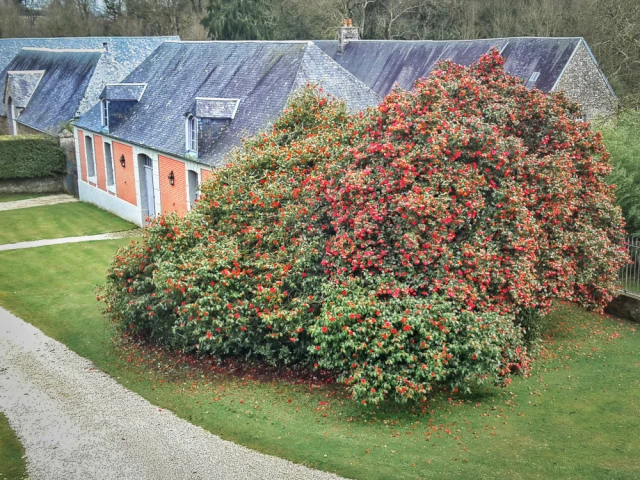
(115, 205)
(110, 203)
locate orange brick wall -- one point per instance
(83, 160)
(125, 177)
(99, 156)
(205, 174)
(173, 198)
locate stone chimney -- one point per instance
(346, 33)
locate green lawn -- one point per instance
(12, 465)
(576, 417)
(55, 221)
(12, 197)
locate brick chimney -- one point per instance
(346, 33)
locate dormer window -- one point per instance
(192, 134)
(104, 112)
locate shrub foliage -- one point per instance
(30, 156)
(621, 139)
(396, 248)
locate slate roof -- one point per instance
(123, 92)
(123, 55)
(215, 108)
(262, 75)
(65, 79)
(380, 64)
(21, 85)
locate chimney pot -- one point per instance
(347, 33)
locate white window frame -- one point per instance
(191, 132)
(104, 113)
(198, 172)
(110, 186)
(92, 178)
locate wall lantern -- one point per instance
(172, 178)
(122, 160)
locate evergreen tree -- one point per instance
(238, 20)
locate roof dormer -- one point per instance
(116, 100)
(123, 92)
(21, 85)
(215, 108)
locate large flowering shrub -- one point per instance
(397, 248)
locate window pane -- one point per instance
(192, 142)
(109, 163)
(91, 166)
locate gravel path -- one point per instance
(37, 202)
(76, 422)
(85, 238)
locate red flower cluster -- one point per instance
(396, 248)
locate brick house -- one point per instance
(154, 137)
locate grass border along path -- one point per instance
(57, 221)
(13, 197)
(577, 416)
(12, 464)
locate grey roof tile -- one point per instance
(124, 54)
(220, 108)
(262, 75)
(21, 85)
(381, 64)
(123, 92)
(60, 91)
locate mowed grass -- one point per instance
(56, 221)
(576, 417)
(12, 464)
(12, 197)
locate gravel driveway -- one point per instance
(76, 422)
(37, 202)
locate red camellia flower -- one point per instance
(426, 230)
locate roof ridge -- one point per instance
(347, 72)
(65, 50)
(343, 71)
(299, 42)
(298, 70)
(452, 40)
(116, 37)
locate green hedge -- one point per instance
(30, 156)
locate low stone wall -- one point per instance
(625, 305)
(4, 125)
(33, 185)
(67, 143)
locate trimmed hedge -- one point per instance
(30, 156)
